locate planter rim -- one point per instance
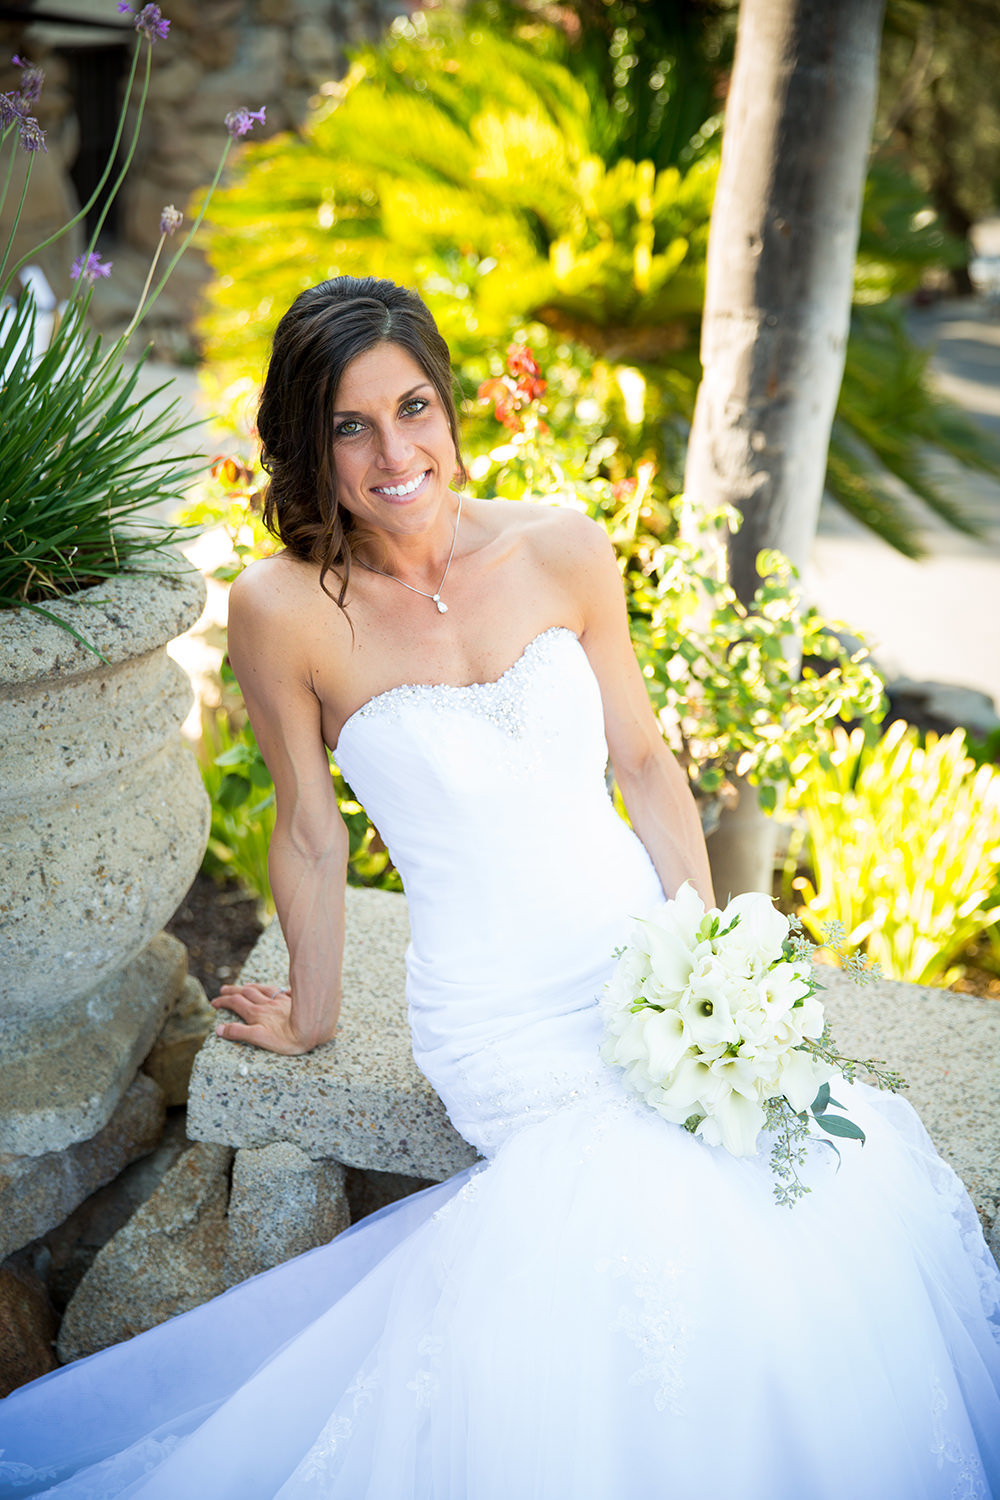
(124, 617)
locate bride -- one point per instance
(604, 1308)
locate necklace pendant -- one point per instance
(442, 608)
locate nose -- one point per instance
(394, 448)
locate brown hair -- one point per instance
(326, 328)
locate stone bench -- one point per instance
(267, 1178)
(362, 1100)
(359, 1098)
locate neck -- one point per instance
(415, 558)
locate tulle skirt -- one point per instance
(608, 1310)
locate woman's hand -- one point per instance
(265, 1013)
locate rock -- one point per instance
(169, 1258)
(314, 49)
(281, 1203)
(176, 1048)
(361, 1098)
(28, 1325)
(941, 707)
(369, 1191)
(72, 1245)
(38, 1192)
(60, 1087)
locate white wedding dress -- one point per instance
(605, 1308)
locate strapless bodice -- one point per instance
(520, 876)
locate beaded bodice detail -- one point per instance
(520, 876)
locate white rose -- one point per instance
(627, 980)
(761, 928)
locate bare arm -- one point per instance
(653, 786)
(307, 860)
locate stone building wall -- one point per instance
(219, 55)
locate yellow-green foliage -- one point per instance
(500, 208)
(905, 845)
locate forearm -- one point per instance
(664, 814)
(308, 887)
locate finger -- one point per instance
(256, 1036)
(241, 1006)
(243, 1031)
(254, 991)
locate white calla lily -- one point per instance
(735, 1123)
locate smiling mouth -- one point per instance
(399, 491)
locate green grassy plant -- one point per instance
(241, 792)
(82, 454)
(78, 467)
(904, 844)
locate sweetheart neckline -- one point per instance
(456, 687)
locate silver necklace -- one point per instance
(442, 608)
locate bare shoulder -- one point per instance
(270, 586)
(555, 533)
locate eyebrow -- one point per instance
(424, 385)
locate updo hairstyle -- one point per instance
(326, 328)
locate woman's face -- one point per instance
(393, 451)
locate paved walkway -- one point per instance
(939, 618)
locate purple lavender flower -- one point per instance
(149, 21)
(89, 267)
(9, 112)
(241, 121)
(30, 134)
(31, 82)
(170, 219)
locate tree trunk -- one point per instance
(778, 301)
(780, 268)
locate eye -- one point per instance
(348, 428)
(414, 406)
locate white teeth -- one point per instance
(401, 489)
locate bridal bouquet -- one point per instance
(715, 1019)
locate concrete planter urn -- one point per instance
(103, 823)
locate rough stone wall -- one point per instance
(220, 55)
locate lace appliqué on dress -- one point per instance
(949, 1186)
(465, 1194)
(970, 1480)
(507, 1102)
(19, 1476)
(109, 1477)
(502, 701)
(654, 1324)
(326, 1454)
(426, 1382)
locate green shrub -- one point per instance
(242, 796)
(904, 843)
(516, 215)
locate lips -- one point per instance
(401, 491)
